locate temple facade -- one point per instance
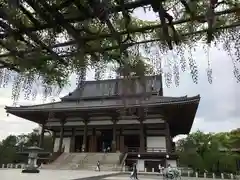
(110, 116)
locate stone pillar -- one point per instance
(61, 135)
(85, 133)
(72, 143)
(167, 137)
(41, 139)
(53, 140)
(114, 136)
(142, 136)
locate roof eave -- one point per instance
(36, 108)
(189, 121)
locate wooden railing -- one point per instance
(148, 149)
(156, 149)
(133, 149)
(122, 159)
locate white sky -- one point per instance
(219, 105)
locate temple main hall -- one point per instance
(106, 116)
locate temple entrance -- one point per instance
(104, 140)
(132, 142)
(78, 143)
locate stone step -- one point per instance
(108, 161)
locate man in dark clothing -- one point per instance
(134, 172)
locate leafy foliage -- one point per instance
(46, 47)
(10, 147)
(212, 152)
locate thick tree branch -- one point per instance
(143, 30)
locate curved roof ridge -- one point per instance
(180, 97)
(35, 105)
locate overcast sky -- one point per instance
(218, 109)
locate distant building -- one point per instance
(106, 113)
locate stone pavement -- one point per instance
(15, 174)
(146, 177)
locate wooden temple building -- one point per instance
(95, 117)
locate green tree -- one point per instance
(196, 162)
(13, 145)
(8, 149)
(211, 152)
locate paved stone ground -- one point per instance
(146, 177)
(126, 177)
(15, 174)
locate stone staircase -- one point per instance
(87, 161)
(66, 161)
(108, 161)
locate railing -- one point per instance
(148, 149)
(122, 161)
(133, 149)
(156, 149)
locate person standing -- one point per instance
(98, 166)
(160, 169)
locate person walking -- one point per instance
(134, 172)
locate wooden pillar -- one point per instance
(53, 140)
(118, 142)
(72, 143)
(90, 143)
(85, 133)
(142, 136)
(94, 141)
(114, 135)
(142, 114)
(121, 143)
(41, 138)
(167, 137)
(61, 135)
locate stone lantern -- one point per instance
(32, 166)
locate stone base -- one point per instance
(30, 171)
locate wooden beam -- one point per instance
(143, 29)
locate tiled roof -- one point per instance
(113, 87)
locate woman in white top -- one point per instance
(160, 168)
